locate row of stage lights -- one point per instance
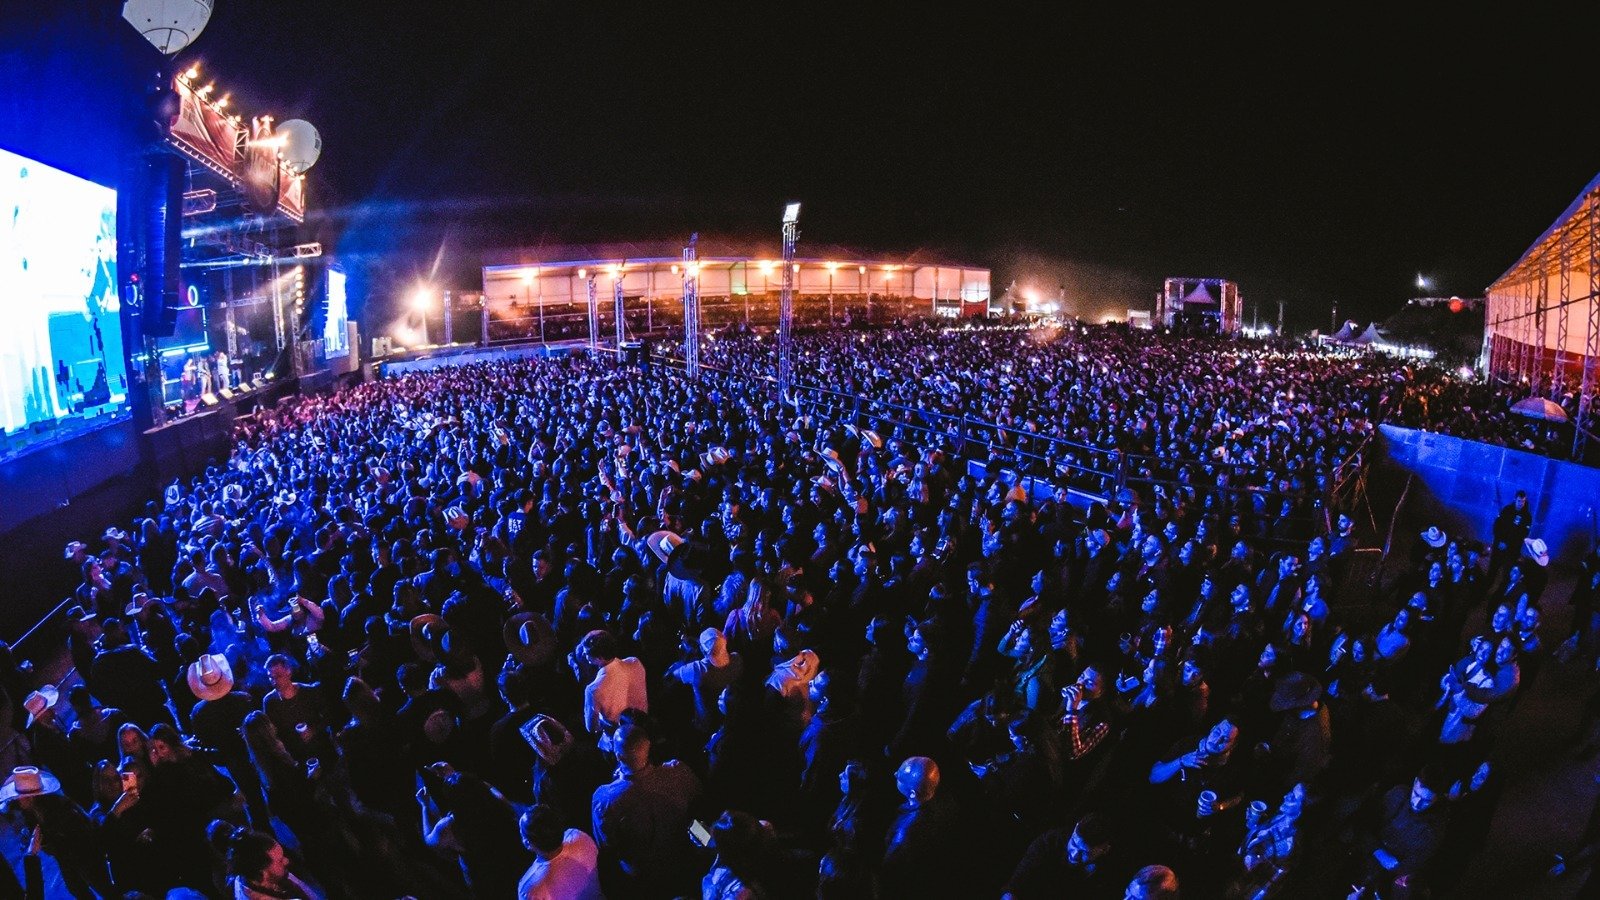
(767, 266)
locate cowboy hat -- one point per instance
(1536, 550)
(74, 548)
(114, 534)
(45, 698)
(529, 638)
(141, 599)
(28, 781)
(210, 677)
(868, 437)
(714, 457)
(1433, 537)
(662, 543)
(426, 631)
(1297, 690)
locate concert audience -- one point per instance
(567, 628)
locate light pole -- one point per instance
(861, 281)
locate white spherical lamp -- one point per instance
(170, 25)
(302, 145)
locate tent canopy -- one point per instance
(1370, 336)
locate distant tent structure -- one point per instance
(1345, 334)
(1370, 336)
(1213, 300)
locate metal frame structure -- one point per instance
(1559, 271)
(594, 309)
(616, 300)
(691, 308)
(791, 236)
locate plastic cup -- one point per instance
(1255, 814)
(1207, 804)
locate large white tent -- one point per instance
(1542, 317)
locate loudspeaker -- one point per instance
(162, 220)
(632, 353)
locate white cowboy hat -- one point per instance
(1433, 537)
(210, 677)
(115, 534)
(74, 548)
(137, 602)
(28, 781)
(662, 543)
(1536, 550)
(46, 697)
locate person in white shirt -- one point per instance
(566, 864)
(618, 684)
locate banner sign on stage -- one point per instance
(202, 129)
(245, 155)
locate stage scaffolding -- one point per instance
(1542, 317)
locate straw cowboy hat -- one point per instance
(529, 638)
(868, 437)
(714, 457)
(28, 781)
(1433, 537)
(427, 632)
(36, 703)
(210, 677)
(1537, 551)
(74, 548)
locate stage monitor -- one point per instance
(335, 325)
(61, 355)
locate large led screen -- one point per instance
(335, 328)
(60, 335)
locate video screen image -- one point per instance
(335, 327)
(60, 334)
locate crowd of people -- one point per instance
(567, 628)
(1482, 411)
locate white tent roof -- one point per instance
(1200, 295)
(1370, 336)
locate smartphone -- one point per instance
(699, 833)
(312, 642)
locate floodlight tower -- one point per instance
(791, 235)
(691, 308)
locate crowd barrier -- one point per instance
(1463, 485)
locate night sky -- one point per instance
(1311, 160)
